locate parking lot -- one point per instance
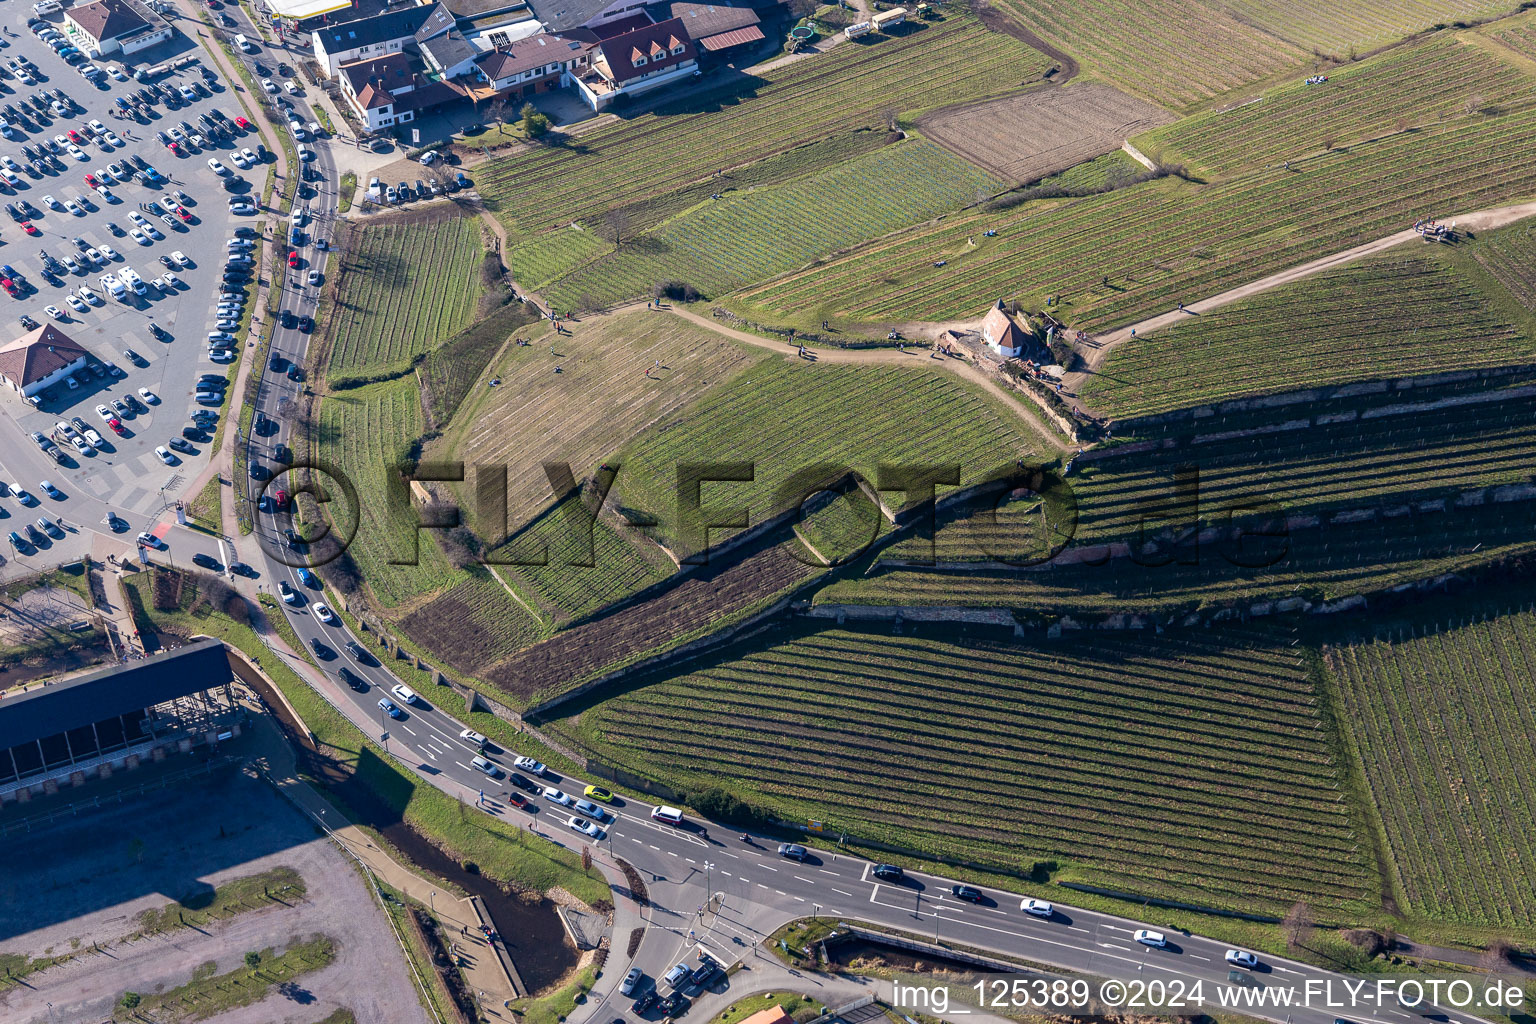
(155, 335)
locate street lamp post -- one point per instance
(815, 910)
(709, 880)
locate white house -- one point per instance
(1001, 334)
(378, 36)
(38, 360)
(636, 62)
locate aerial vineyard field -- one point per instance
(1170, 766)
(1173, 54)
(1027, 137)
(473, 624)
(566, 587)
(406, 285)
(689, 606)
(1510, 256)
(1165, 241)
(1330, 329)
(1398, 91)
(1316, 565)
(543, 258)
(577, 399)
(748, 236)
(785, 418)
(1372, 458)
(642, 158)
(1381, 489)
(1519, 36)
(1339, 29)
(366, 432)
(1443, 725)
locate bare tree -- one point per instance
(499, 110)
(1474, 103)
(888, 116)
(616, 221)
(1297, 925)
(1496, 956)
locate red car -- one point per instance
(213, 5)
(117, 427)
(26, 226)
(243, 123)
(173, 147)
(75, 137)
(181, 211)
(90, 180)
(293, 259)
(281, 499)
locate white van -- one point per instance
(244, 44)
(667, 815)
(375, 189)
(47, 7)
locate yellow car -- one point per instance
(598, 793)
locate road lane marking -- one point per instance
(874, 893)
(826, 872)
(837, 890)
(799, 898)
(690, 860)
(409, 729)
(770, 867)
(779, 891)
(461, 764)
(1194, 956)
(808, 881)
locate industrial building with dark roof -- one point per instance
(115, 717)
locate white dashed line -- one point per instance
(837, 890)
(807, 881)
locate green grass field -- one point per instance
(366, 432)
(407, 284)
(1442, 722)
(1169, 766)
(1326, 330)
(785, 417)
(750, 235)
(658, 163)
(1117, 256)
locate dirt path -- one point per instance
(914, 357)
(1096, 349)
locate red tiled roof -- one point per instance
(370, 97)
(38, 353)
(662, 36)
(735, 37)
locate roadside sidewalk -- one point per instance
(460, 918)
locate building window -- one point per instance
(640, 62)
(678, 49)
